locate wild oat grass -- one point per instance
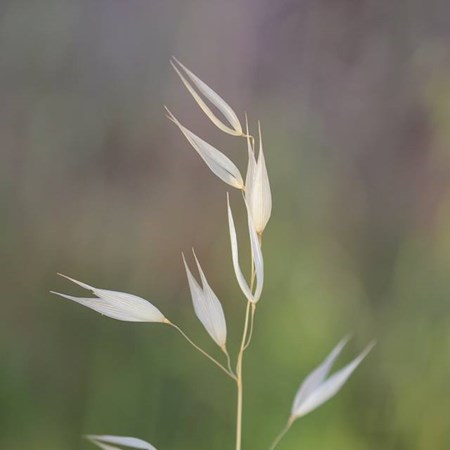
(317, 388)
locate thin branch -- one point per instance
(281, 435)
(229, 362)
(203, 352)
(252, 322)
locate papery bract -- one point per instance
(117, 305)
(219, 164)
(257, 187)
(124, 441)
(257, 258)
(316, 390)
(213, 97)
(207, 306)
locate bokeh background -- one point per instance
(95, 182)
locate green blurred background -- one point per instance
(354, 99)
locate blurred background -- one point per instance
(95, 182)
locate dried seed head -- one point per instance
(117, 305)
(257, 187)
(124, 441)
(316, 390)
(211, 96)
(207, 306)
(257, 258)
(219, 164)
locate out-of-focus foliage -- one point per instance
(354, 100)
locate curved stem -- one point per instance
(203, 352)
(281, 435)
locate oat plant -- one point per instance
(255, 192)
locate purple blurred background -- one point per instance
(95, 182)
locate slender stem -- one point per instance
(252, 318)
(252, 321)
(246, 338)
(211, 358)
(245, 342)
(229, 362)
(281, 435)
(253, 275)
(239, 411)
(239, 381)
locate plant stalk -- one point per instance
(281, 435)
(239, 381)
(203, 352)
(239, 375)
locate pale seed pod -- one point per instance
(316, 390)
(207, 306)
(124, 441)
(117, 305)
(219, 164)
(211, 96)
